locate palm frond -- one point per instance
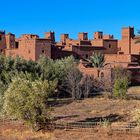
(97, 60)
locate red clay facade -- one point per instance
(124, 52)
(30, 46)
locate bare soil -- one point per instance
(88, 110)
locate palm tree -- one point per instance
(97, 60)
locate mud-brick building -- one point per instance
(30, 46)
(100, 43)
(124, 52)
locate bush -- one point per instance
(11, 66)
(27, 100)
(120, 72)
(120, 88)
(3, 88)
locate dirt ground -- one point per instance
(88, 110)
(92, 110)
(17, 133)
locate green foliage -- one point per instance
(63, 66)
(120, 82)
(119, 72)
(97, 60)
(27, 100)
(26, 86)
(120, 87)
(104, 123)
(45, 68)
(55, 69)
(11, 66)
(3, 88)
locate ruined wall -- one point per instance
(10, 41)
(2, 42)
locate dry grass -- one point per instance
(96, 107)
(17, 131)
(85, 110)
(134, 90)
(90, 134)
(15, 134)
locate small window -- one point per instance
(17, 44)
(1, 50)
(85, 36)
(109, 45)
(29, 51)
(43, 51)
(121, 52)
(102, 75)
(0, 38)
(86, 56)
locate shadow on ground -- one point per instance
(65, 117)
(59, 103)
(110, 118)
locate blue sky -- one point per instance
(68, 16)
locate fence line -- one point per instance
(82, 126)
(121, 128)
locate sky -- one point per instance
(69, 16)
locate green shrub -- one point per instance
(3, 88)
(120, 87)
(27, 100)
(120, 72)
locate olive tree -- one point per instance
(3, 88)
(27, 100)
